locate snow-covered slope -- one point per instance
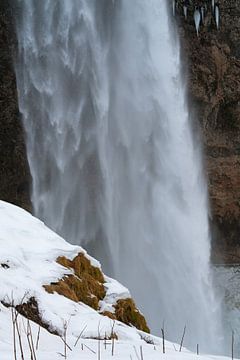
(51, 347)
(28, 253)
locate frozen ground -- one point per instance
(51, 347)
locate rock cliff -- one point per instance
(14, 171)
(213, 79)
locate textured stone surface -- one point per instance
(214, 86)
(14, 171)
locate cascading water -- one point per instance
(111, 152)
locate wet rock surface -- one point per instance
(14, 170)
(213, 78)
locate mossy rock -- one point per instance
(109, 314)
(127, 312)
(81, 265)
(62, 288)
(85, 285)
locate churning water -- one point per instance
(114, 164)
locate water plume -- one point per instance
(115, 166)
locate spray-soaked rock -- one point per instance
(14, 172)
(214, 87)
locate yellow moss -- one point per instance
(126, 311)
(81, 265)
(109, 314)
(62, 288)
(85, 285)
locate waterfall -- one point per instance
(114, 164)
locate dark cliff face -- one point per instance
(14, 171)
(214, 90)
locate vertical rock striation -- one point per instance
(214, 87)
(14, 171)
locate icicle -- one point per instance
(202, 13)
(217, 15)
(174, 7)
(197, 19)
(185, 11)
(213, 5)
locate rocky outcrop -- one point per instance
(14, 171)
(86, 284)
(213, 79)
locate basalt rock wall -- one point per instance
(14, 170)
(213, 77)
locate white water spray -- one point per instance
(114, 164)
